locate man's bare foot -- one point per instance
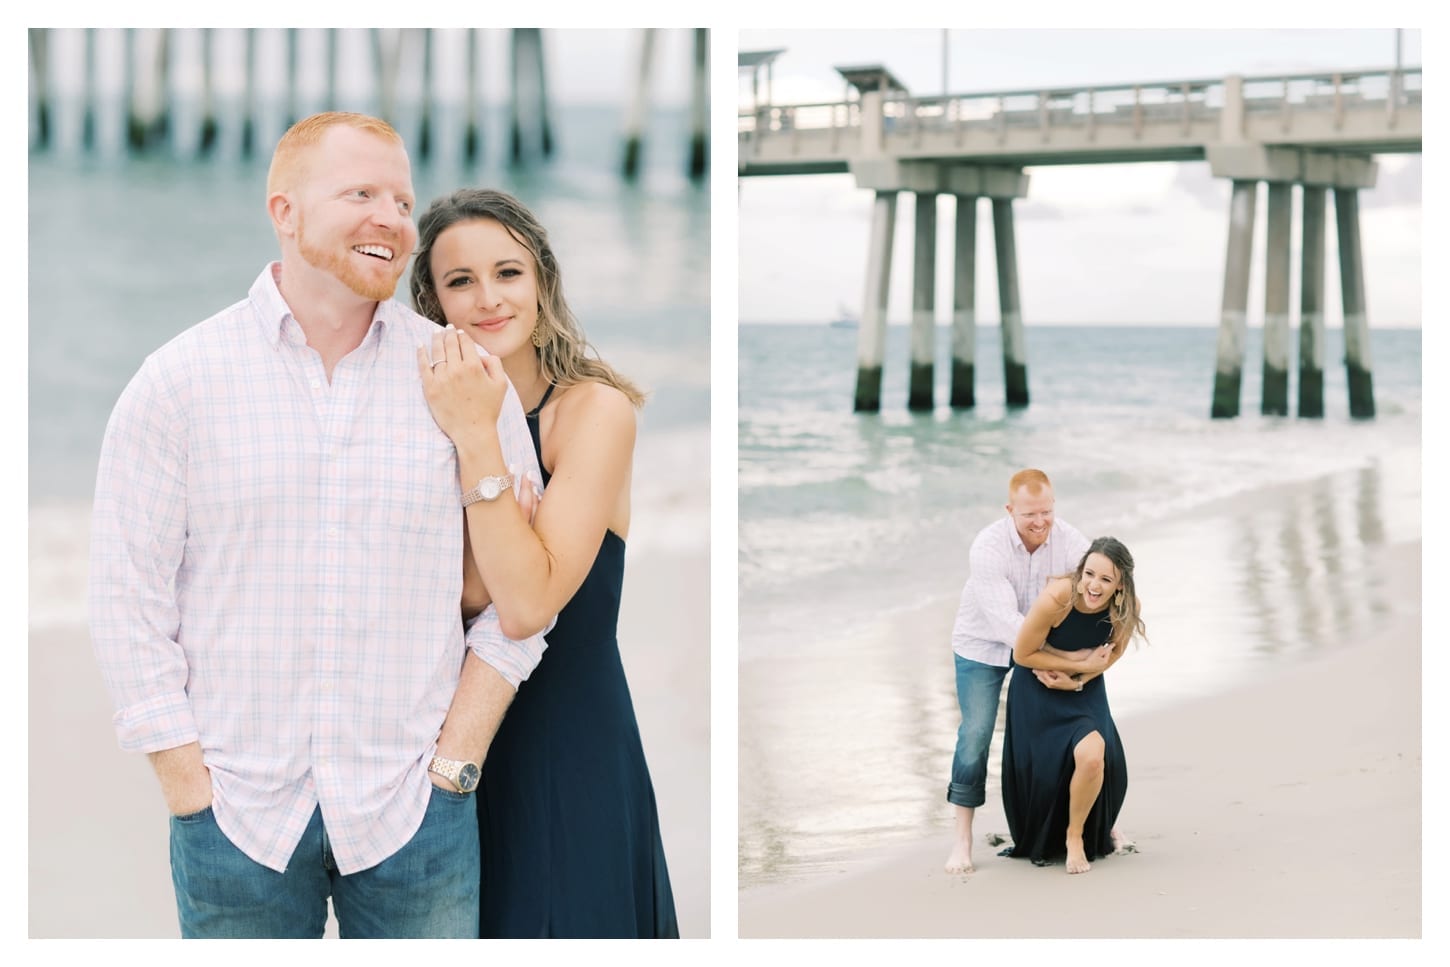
(959, 860)
(1077, 861)
(1122, 844)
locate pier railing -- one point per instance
(1325, 107)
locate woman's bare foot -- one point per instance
(1077, 861)
(1122, 844)
(959, 860)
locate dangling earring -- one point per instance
(538, 337)
(1118, 599)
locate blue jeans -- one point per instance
(979, 689)
(429, 888)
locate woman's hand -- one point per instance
(465, 391)
(1099, 660)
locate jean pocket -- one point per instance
(195, 817)
(449, 795)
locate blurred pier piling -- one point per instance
(218, 92)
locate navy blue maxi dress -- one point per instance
(1044, 725)
(568, 829)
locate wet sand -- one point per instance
(1288, 806)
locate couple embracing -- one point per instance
(1058, 612)
(332, 540)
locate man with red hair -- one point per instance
(276, 576)
(1011, 561)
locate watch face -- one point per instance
(490, 488)
(468, 777)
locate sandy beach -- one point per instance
(1286, 807)
(98, 847)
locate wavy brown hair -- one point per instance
(566, 357)
(1126, 617)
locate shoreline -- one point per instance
(1232, 801)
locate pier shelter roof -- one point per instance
(871, 77)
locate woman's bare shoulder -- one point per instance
(595, 408)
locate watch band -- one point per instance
(463, 774)
(488, 488)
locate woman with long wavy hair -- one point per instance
(567, 818)
(1064, 774)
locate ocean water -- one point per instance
(125, 253)
(1254, 539)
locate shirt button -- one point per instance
(332, 532)
(317, 384)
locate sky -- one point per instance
(1121, 244)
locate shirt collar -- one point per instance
(274, 312)
(1016, 538)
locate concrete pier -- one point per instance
(920, 394)
(472, 143)
(290, 115)
(639, 106)
(425, 122)
(1311, 305)
(1014, 336)
(700, 105)
(871, 336)
(529, 99)
(1228, 372)
(88, 93)
(1276, 300)
(964, 304)
(249, 96)
(1357, 363)
(40, 78)
(209, 128)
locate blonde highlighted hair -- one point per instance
(1123, 607)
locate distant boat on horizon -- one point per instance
(845, 319)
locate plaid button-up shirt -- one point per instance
(1004, 581)
(276, 570)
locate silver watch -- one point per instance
(489, 488)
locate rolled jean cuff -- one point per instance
(966, 796)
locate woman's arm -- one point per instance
(1030, 649)
(531, 573)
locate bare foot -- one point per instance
(1122, 844)
(959, 860)
(1077, 861)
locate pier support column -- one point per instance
(1356, 326)
(425, 122)
(1276, 300)
(209, 128)
(40, 85)
(964, 304)
(921, 394)
(639, 106)
(1014, 337)
(472, 143)
(1229, 365)
(871, 337)
(1311, 306)
(249, 93)
(700, 105)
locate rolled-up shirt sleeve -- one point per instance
(514, 660)
(138, 536)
